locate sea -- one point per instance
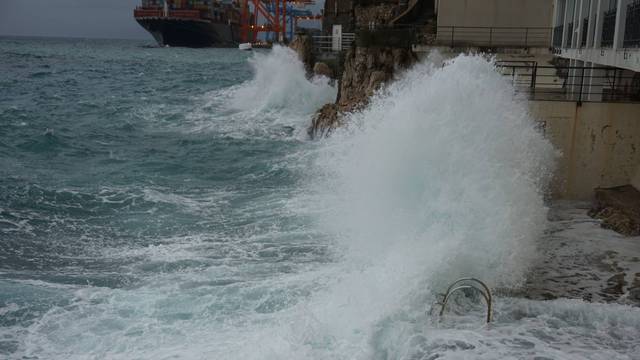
(168, 203)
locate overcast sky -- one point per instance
(71, 18)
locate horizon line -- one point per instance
(75, 37)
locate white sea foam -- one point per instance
(280, 82)
(279, 97)
(442, 176)
(445, 169)
(276, 101)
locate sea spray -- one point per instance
(442, 176)
(280, 82)
(279, 98)
(446, 159)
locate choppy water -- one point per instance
(166, 203)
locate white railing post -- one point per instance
(565, 25)
(336, 40)
(621, 21)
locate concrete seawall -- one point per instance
(599, 142)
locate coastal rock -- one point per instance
(374, 15)
(618, 208)
(324, 121)
(382, 49)
(376, 80)
(302, 44)
(366, 70)
(578, 259)
(322, 69)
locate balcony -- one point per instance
(585, 31)
(608, 28)
(526, 37)
(557, 36)
(632, 26)
(552, 83)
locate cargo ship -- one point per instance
(191, 23)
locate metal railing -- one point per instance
(325, 43)
(469, 284)
(571, 83)
(494, 36)
(632, 25)
(175, 14)
(395, 35)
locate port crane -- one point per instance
(272, 16)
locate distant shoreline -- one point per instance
(41, 37)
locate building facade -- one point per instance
(495, 23)
(601, 41)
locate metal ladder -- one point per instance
(469, 283)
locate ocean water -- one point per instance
(167, 204)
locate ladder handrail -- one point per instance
(485, 292)
(486, 288)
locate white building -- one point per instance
(578, 64)
(601, 39)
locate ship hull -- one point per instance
(190, 33)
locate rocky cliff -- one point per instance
(618, 208)
(369, 65)
(366, 70)
(302, 44)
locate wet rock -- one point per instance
(322, 69)
(369, 66)
(616, 285)
(618, 208)
(579, 259)
(634, 289)
(302, 44)
(374, 15)
(376, 80)
(325, 121)
(366, 70)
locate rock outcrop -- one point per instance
(366, 70)
(589, 264)
(378, 14)
(322, 69)
(302, 44)
(619, 209)
(324, 121)
(381, 50)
